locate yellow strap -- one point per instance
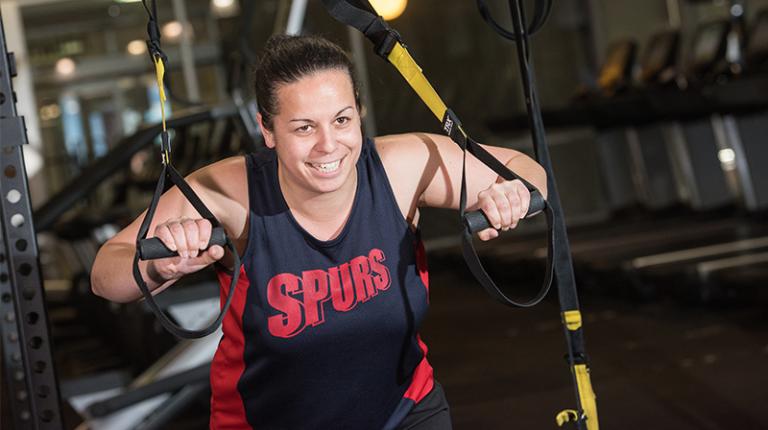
(406, 65)
(160, 72)
(566, 416)
(587, 396)
(572, 320)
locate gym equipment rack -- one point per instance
(30, 378)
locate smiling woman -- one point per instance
(323, 327)
(317, 137)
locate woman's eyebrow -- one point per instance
(309, 120)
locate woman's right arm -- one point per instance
(222, 187)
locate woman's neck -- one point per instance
(319, 208)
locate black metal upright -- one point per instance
(29, 377)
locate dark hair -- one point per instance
(287, 59)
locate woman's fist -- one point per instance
(189, 238)
(504, 204)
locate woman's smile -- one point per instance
(327, 168)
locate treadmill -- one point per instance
(682, 158)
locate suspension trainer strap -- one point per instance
(388, 44)
(144, 246)
(585, 417)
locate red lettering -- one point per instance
(345, 286)
(381, 273)
(361, 274)
(280, 290)
(315, 294)
(342, 289)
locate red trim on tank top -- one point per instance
(423, 377)
(227, 408)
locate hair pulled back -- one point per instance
(286, 59)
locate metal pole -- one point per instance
(296, 17)
(673, 14)
(187, 55)
(361, 65)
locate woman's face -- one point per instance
(316, 132)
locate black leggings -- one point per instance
(432, 413)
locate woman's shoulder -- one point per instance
(224, 168)
(398, 145)
(407, 152)
(406, 160)
(226, 177)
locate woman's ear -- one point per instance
(269, 138)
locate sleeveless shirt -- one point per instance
(323, 334)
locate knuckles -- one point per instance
(504, 204)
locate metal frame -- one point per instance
(31, 382)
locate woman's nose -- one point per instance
(327, 141)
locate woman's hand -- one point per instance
(188, 237)
(504, 204)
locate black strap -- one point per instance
(362, 16)
(540, 15)
(452, 128)
(467, 244)
(563, 274)
(559, 263)
(170, 173)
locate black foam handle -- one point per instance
(153, 248)
(476, 221)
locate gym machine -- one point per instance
(30, 389)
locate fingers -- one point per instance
(188, 237)
(488, 234)
(504, 204)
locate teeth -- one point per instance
(327, 167)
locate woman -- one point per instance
(322, 332)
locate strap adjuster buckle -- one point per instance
(384, 47)
(579, 358)
(452, 128)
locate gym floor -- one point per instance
(661, 364)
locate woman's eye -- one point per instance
(304, 128)
(342, 120)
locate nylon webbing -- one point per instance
(170, 173)
(361, 18)
(559, 266)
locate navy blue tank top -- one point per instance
(323, 334)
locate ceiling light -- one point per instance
(224, 8)
(136, 47)
(726, 155)
(389, 9)
(172, 30)
(65, 66)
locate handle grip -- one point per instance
(153, 248)
(476, 221)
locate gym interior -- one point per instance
(652, 112)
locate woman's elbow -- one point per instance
(104, 280)
(98, 286)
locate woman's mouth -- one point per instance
(327, 167)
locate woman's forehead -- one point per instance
(318, 91)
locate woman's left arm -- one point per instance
(425, 170)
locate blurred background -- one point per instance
(656, 114)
